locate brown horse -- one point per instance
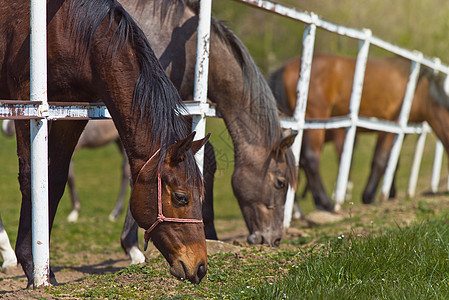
(96, 51)
(264, 165)
(96, 134)
(383, 92)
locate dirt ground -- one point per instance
(356, 218)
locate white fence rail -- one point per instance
(353, 121)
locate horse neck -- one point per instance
(249, 119)
(134, 133)
(112, 77)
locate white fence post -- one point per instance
(403, 120)
(356, 95)
(417, 157)
(201, 75)
(39, 146)
(436, 170)
(302, 91)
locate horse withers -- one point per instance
(96, 51)
(382, 96)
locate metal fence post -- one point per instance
(201, 74)
(436, 170)
(356, 95)
(302, 91)
(403, 120)
(417, 157)
(39, 146)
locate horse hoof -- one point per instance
(73, 216)
(136, 256)
(113, 217)
(337, 207)
(10, 268)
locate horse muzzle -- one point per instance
(266, 238)
(183, 271)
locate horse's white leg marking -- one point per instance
(6, 251)
(73, 216)
(137, 257)
(8, 128)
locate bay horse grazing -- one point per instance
(96, 134)
(264, 165)
(97, 51)
(382, 95)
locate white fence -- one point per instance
(39, 111)
(352, 121)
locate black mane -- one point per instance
(436, 86)
(154, 97)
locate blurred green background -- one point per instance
(413, 24)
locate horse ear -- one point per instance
(196, 145)
(175, 153)
(287, 140)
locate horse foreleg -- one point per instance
(76, 205)
(126, 175)
(310, 161)
(129, 239)
(61, 143)
(210, 167)
(378, 165)
(23, 241)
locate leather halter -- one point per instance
(160, 215)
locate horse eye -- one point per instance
(280, 183)
(181, 198)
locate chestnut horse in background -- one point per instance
(382, 96)
(97, 52)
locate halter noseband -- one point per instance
(160, 216)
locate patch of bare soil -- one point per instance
(354, 219)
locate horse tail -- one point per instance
(276, 83)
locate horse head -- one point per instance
(262, 193)
(166, 201)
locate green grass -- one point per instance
(402, 263)
(382, 264)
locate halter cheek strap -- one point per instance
(160, 216)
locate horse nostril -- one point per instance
(254, 239)
(201, 270)
(277, 242)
